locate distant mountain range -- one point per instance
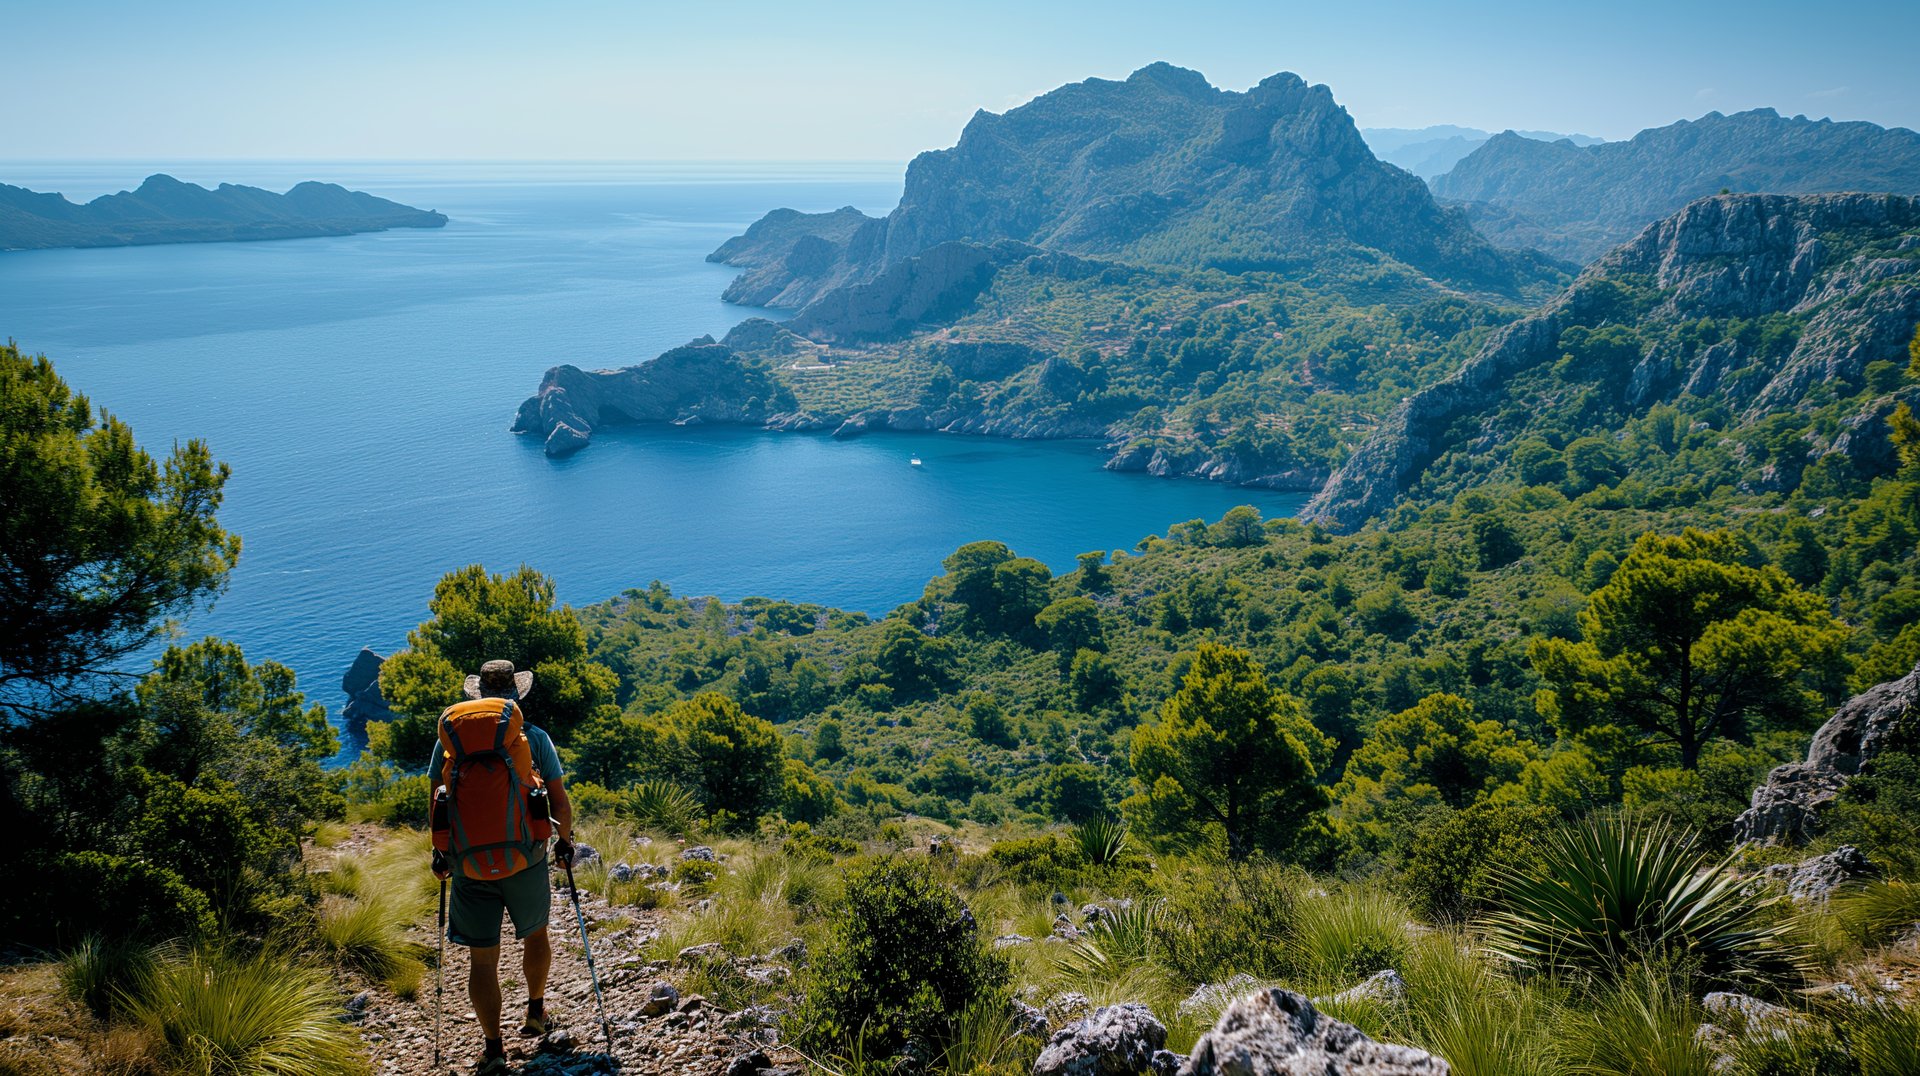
(1431, 151)
(1158, 169)
(165, 210)
(1576, 202)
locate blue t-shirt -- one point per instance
(539, 745)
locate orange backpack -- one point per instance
(489, 815)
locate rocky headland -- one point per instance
(165, 210)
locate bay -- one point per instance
(361, 389)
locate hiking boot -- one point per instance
(537, 1021)
(494, 1061)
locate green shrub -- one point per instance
(901, 953)
(214, 1014)
(96, 972)
(1880, 810)
(1229, 918)
(1457, 859)
(1616, 890)
(93, 893)
(803, 843)
(591, 801)
(1040, 861)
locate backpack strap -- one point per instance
(500, 729)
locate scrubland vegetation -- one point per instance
(1473, 745)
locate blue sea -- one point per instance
(361, 390)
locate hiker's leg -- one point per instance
(483, 989)
(536, 957)
(529, 901)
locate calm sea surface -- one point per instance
(361, 389)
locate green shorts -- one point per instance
(473, 911)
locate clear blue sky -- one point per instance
(879, 81)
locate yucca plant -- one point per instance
(663, 806)
(1123, 938)
(1102, 841)
(1617, 889)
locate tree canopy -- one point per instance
(476, 618)
(100, 545)
(1690, 640)
(1229, 755)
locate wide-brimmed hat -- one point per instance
(497, 680)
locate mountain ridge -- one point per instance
(1578, 202)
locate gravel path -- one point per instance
(693, 1037)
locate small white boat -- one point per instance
(915, 461)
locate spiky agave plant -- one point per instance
(1123, 938)
(1617, 888)
(662, 805)
(1102, 841)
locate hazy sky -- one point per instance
(879, 81)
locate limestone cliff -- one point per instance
(1840, 273)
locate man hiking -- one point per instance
(496, 778)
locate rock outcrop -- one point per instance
(1817, 878)
(1279, 1033)
(1785, 809)
(165, 210)
(1119, 1040)
(1155, 169)
(1732, 256)
(699, 382)
(365, 703)
(1575, 202)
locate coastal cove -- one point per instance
(361, 388)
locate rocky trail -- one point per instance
(656, 1028)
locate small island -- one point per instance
(166, 210)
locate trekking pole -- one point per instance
(440, 976)
(606, 1030)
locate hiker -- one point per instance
(493, 845)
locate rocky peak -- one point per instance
(1154, 169)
